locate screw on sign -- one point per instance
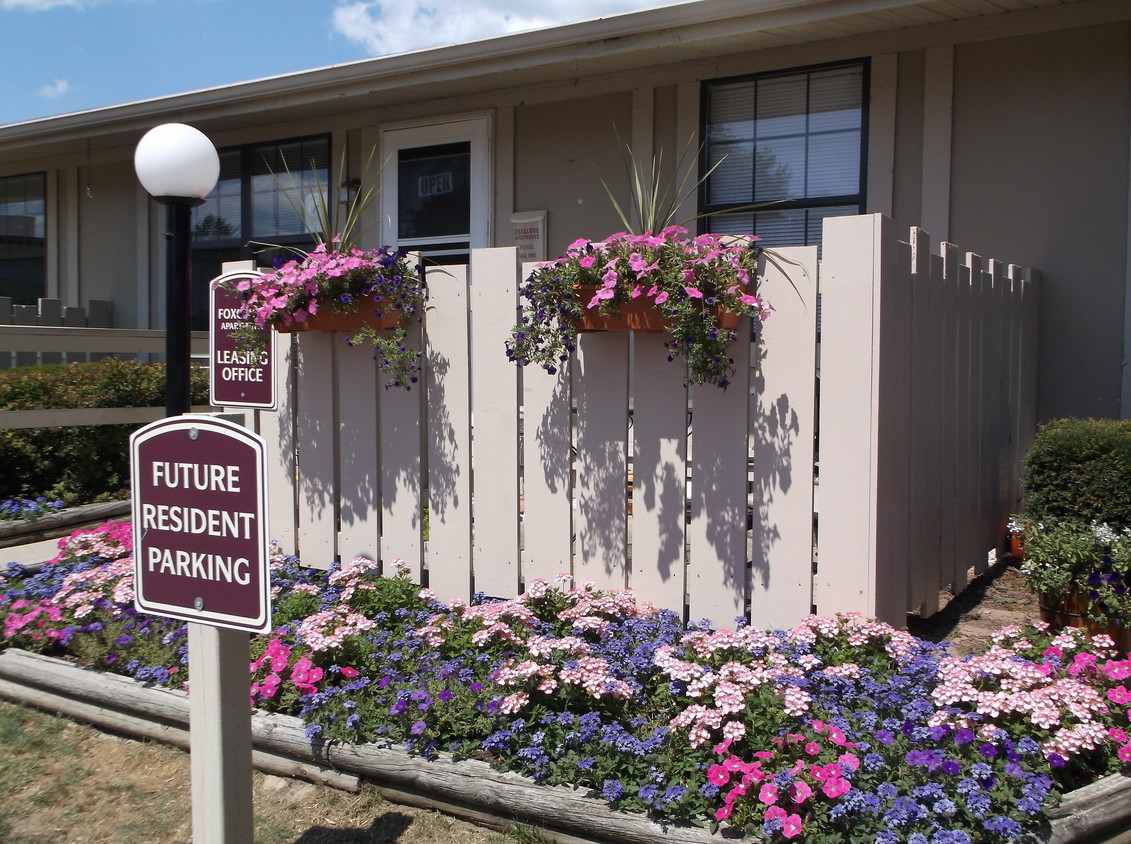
(200, 525)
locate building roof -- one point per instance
(686, 32)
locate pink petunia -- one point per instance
(792, 826)
(718, 775)
(834, 787)
(1124, 753)
(768, 794)
(799, 791)
(1119, 695)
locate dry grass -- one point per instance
(67, 783)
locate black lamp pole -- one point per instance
(178, 307)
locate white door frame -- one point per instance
(477, 131)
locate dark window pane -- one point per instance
(23, 223)
(289, 183)
(434, 192)
(219, 218)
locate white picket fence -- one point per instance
(489, 476)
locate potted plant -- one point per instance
(372, 296)
(653, 277)
(1081, 573)
(688, 285)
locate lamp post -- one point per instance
(178, 166)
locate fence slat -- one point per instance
(494, 401)
(448, 547)
(359, 529)
(717, 580)
(865, 382)
(547, 470)
(316, 437)
(659, 473)
(782, 423)
(600, 385)
(278, 428)
(400, 431)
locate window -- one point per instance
(23, 256)
(795, 140)
(263, 193)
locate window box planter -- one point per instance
(339, 321)
(639, 315)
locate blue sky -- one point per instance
(60, 56)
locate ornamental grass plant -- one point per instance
(841, 729)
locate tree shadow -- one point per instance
(776, 427)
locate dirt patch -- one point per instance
(66, 783)
(994, 599)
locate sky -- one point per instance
(61, 56)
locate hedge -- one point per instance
(1080, 470)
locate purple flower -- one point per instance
(988, 750)
(418, 728)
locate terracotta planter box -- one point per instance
(636, 315)
(336, 321)
(1072, 611)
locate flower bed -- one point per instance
(839, 729)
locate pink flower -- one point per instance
(768, 794)
(349, 673)
(587, 261)
(812, 748)
(1125, 753)
(662, 297)
(724, 811)
(694, 292)
(775, 813)
(718, 775)
(792, 826)
(834, 787)
(799, 791)
(1119, 695)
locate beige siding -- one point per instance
(107, 253)
(561, 150)
(1040, 172)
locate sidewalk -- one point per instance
(30, 553)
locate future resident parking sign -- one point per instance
(200, 522)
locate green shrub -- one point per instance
(85, 463)
(1080, 470)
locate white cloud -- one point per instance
(394, 26)
(38, 5)
(55, 89)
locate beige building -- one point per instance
(1003, 125)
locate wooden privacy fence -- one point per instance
(488, 476)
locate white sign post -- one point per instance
(200, 554)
